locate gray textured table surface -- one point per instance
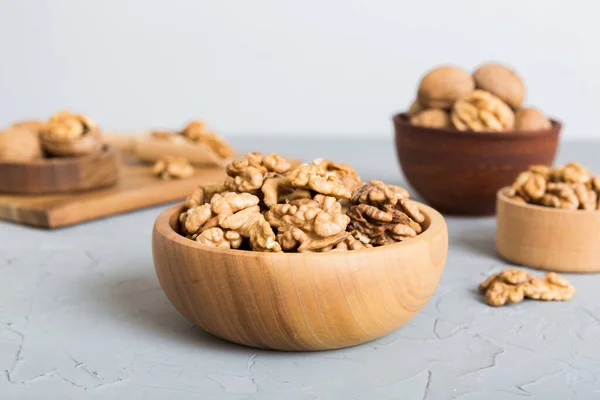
(82, 316)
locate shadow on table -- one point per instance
(477, 239)
(138, 302)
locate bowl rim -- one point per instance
(107, 150)
(162, 226)
(501, 196)
(402, 118)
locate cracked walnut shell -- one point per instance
(67, 134)
(482, 111)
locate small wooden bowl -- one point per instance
(58, 175)
(299, 301)
(460, 172)
(547, 238)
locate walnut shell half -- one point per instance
(90, 142)
(67, 134)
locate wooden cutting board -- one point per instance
(137, 188)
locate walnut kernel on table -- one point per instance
(266, 205)
(570, 187)
(173, 168)
(514, 285)
(197, 132)
(67, 134)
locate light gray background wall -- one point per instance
(285, 67)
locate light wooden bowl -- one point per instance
(60, 174)
(547, 238)
(299, 301)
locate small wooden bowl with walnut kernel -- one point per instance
(299, 259)
(550, 219)
(65, 154)
(467, 135)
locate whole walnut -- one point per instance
(443, 86)
(531, 119)
(414, 109)
(482, 111)
(501, 81)
(432, 118)
(20, 144)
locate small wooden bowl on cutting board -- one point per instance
(547, 238)
(459, 172)
(299, 301)
(60, 174)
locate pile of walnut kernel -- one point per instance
(490, 99)
(267, 205)
(570, 187)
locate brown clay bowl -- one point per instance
(299, 301)
(460, 172)
(547, 238)
(60, 174)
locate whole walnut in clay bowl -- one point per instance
(467, 135)
(299, 258)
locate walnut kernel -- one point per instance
(513, 285)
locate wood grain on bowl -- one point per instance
(460, 172)
(136, 188)
(58, 175)
(299, 301)
(548, 238)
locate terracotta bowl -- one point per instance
(59, 175)
(299, 301)
(460, 172)
(548, 238)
